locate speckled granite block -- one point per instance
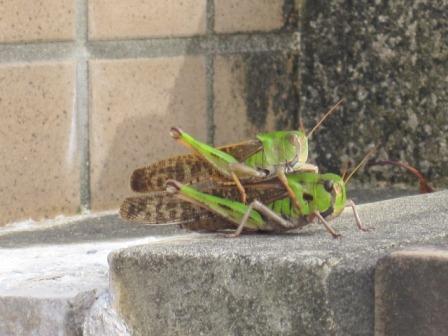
(389, 59)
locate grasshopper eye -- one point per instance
(328, 185)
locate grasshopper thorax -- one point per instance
(284, 147)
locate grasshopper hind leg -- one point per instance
(278, 222)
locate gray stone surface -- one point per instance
(95, 228)
(411, 293)
(389, 60)
(34, 317)
(360, 196)
(103, 320)
(52, 273)
(303, 283)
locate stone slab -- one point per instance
(24, 21)
(162, 93)
(233, 16)
(115, 19)
(54, 275)
(38, 156)
(303, 283)
(411, 293)
(80, 229)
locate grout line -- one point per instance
(82, 99)
(146, 48)
(210, 44)
(210, 17)
(209, 59)
(46, 52)
(210, 72)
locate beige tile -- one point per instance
(254, 93)
(118, 19)
(38, 154)
(37, 20)
(133, 105)
(248, 15)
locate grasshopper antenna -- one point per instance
(364, 160)
(344, 169)
(334, 108)
(424, 187)
(301, 125)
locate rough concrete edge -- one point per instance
(418, 251)
(68, 317)
(79, 308)
(61, 220)
(103, 320)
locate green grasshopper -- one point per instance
(272, 154)
(321, 196)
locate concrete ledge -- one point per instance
(54, 275)
(411, 293)
(301, 283)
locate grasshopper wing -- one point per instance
(241, 151)
(163, 208)
(188, 168)
(158, 208)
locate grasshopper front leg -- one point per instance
(359, 224)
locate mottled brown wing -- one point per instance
(188, 168)
(241, 151)
(163, 208)
(170, 210)
(158, 208)
(208, 223)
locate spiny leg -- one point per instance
(359, 224)
(240, 188)
(327, 225)
(240, 228)
(276, 219)
(238, 170)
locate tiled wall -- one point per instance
(89, 89)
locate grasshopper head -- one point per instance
(334, 185)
